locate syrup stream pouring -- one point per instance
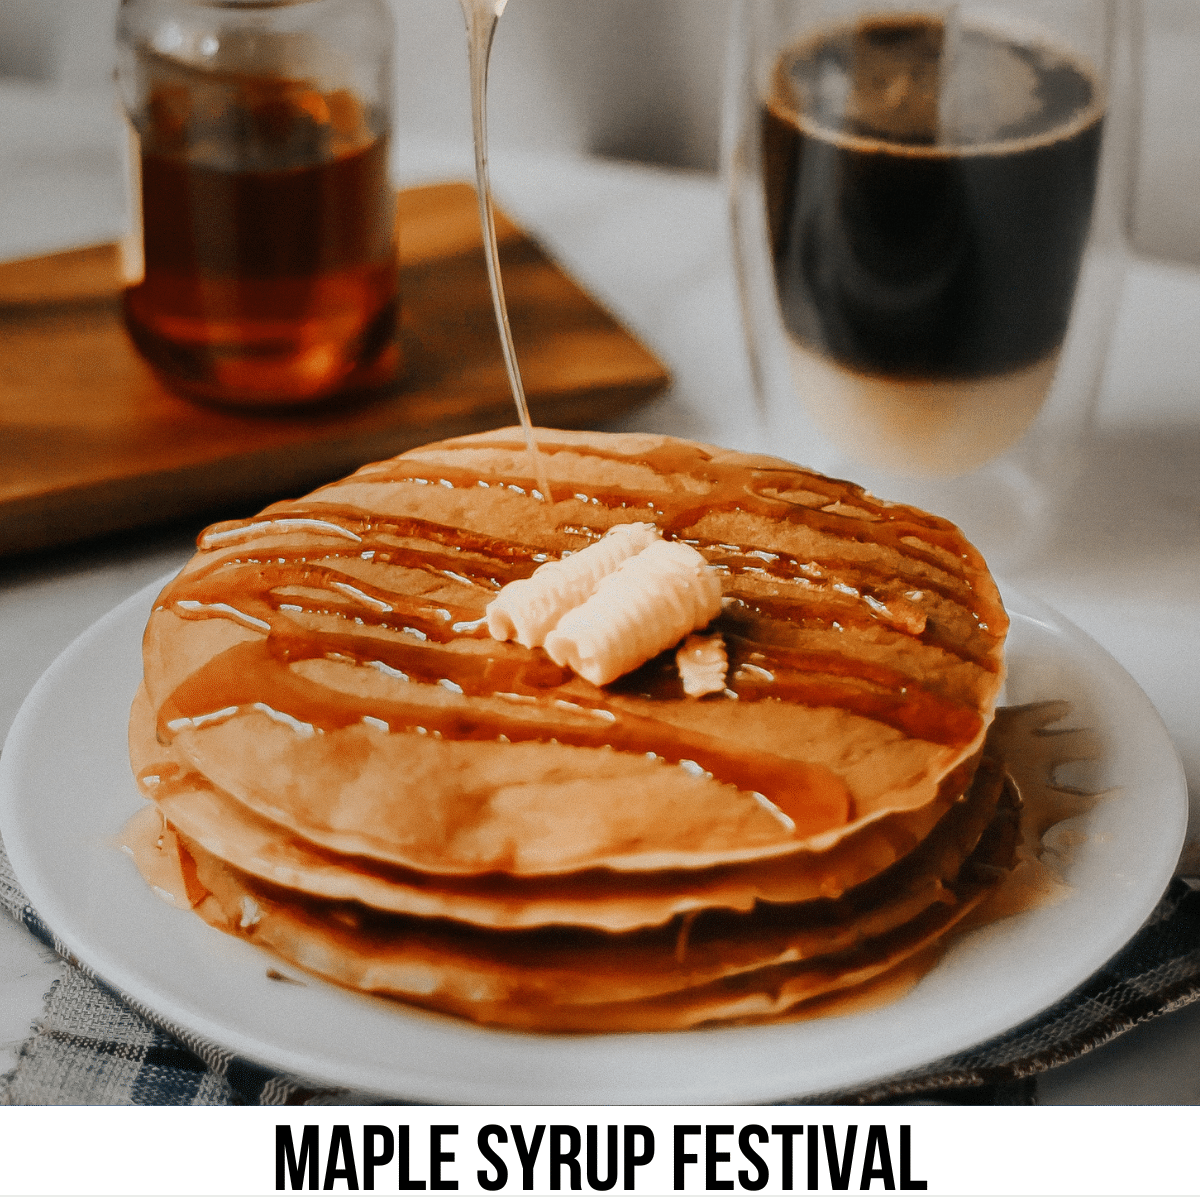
(482, 17)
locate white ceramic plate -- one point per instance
(66, 791)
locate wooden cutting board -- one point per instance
(90, 442)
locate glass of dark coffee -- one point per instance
(929, 216)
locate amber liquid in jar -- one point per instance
(269, 234)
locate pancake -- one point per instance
(675, 978)
(409, 806)
(601, 899)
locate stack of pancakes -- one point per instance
(354, 775)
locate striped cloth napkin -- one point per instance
(94, 1046)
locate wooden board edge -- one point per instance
(72, 515)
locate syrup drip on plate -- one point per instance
(482, 17)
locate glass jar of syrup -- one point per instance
(260, 132)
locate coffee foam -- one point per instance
(923, 428)
(989, 87)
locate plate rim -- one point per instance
(313, 1066)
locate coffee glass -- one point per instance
(929, 208)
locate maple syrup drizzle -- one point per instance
(805, 676)
(409, 593)
(482, 17)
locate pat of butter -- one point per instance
(643, 607)
(526, 610)
(702, 663)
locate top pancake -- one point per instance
(325, 665)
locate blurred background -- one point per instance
(629, 79)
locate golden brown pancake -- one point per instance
(408, 806)
(713, 969)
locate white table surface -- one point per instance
(652, 245)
